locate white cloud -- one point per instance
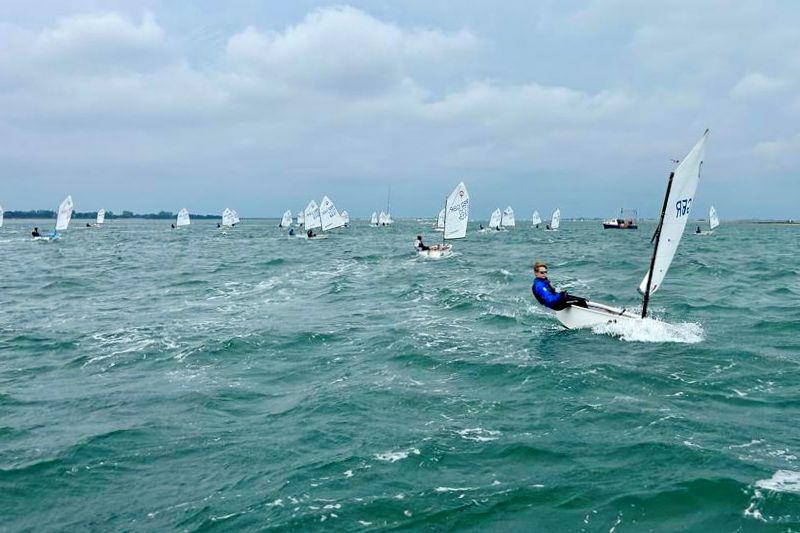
(757, 84)
(782, 152)
(343, 50)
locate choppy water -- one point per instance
(155, 380)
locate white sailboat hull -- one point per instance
(439, 252)
(596, 314)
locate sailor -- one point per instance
(35, 233)
(547, 226)
(310, 234)
(481, 226)
(172, 226)
(291, 232)
(546, 295)
(697, 230)
(218, 226)
(419, 245)
(88, 225)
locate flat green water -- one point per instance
(192, 380)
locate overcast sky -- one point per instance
(261, 106)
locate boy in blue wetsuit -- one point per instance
(546, 295)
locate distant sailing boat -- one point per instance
(301, 218)
(101, 217)
(286, 221)
(227, 218)
(388, 219)
(312, 219)
(495, 219)
(439, 226)
(555, 221)
(183, 218)
(456, 218)
(62, 222)
(329, 215)
(681, 188)
(507, 220)
(1, 216)
(373, 221)
(382, 219)
(235, 214)
(713, 222)
(536, 219)
(345, 217)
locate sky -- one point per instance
(264, 105)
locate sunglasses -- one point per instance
(542, 271)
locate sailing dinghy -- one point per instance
(329, 216)
(227, 218)
(1, 216)
(183, 218)
(681, 188)
(101, 218)
(439, 226)
(312, 220)
(555, 221)
(345, 217)
(286, 220)
(373, 221)
(62, 222)
(456, 217)
(536, 219)
(301, 218)
(507, 220)
(713, 222)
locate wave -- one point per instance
(652, 330)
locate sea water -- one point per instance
(156, 379)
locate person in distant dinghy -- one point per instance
(546, 295)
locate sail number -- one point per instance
(682, 207)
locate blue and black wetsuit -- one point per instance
(546, 295)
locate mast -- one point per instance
(657, 238)
(444, 228)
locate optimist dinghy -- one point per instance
(555, 221)
(439, 222)
(536, 219)
(507, 221)
(183, 218)
(456, 217)
(713, 222)
(62, 222)
(286, 220)
(681, 188)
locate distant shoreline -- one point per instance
(91, 215)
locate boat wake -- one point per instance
(651, 330)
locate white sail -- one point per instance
(374, 219)
(678, 206)
(235, 215)
(508, 218)
(286, 221)
(183, 218)
(388, 220)
(64, 214)
(536, 219)
(101, 216)
(382, 218)
(494, 220)
(311, 216)
(456, 213)
(345, 217)
(227, 217)
(555, 220)
(440, 220)
(1, 216)
(329, 215)
(713, 219)
(301, 218)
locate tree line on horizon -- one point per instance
(47, 213)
